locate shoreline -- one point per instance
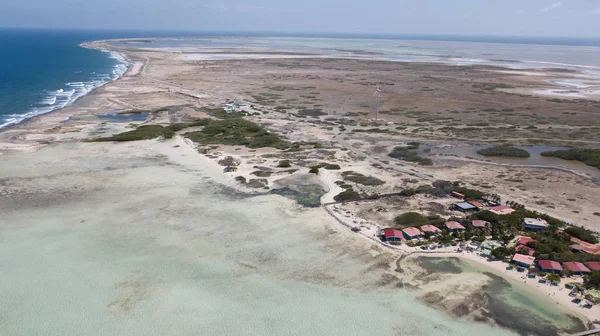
(125, 62)
(497, 267)
(332, 189)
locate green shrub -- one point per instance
(505, 151)
(237, 132)
(554, 277)
(314, 170)
(284, 164)
(582, 233)
(146, 132)
(361, 179)
(410, 219)
(347, 195)
(590, 157)
(409, 153)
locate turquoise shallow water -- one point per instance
(123, 241)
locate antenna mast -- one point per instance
(378, 95)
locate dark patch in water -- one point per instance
(492, 303)
(129, 117)
(440, 265)
(518, 319)
(306, 195)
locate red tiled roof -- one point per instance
(575, 266)
(456, 194)
(476, 204)
(454, 225)
(525, 240)
(549, 264)
(522, 258)
(594, 265)
(430, 228)
(479, 223)
(392, 233)
(531, 251)
(588, 248)
(412, 231)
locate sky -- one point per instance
(572, 18)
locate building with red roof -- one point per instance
(412, 233)
(593, 265)
(550, 266)
(523, 260)
(480, 224)
(476, 204)
(584, 247)
(576, 267)
(393, 235)
(454, 226)
(526, 240)
(530, 251)
(431, 229)
(502, 210)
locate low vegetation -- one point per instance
(504, 151)
(441, 188)
(582, 233)
(410, 153)
(284, 164)
(347, 195)
(236, 132)
(361, 179)
(146, 132)
(590, 157)
(329, 166)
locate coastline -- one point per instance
(403, 251)
(122, 60)
(545, 292)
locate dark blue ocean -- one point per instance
(43, 70)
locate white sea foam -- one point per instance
(57, 99)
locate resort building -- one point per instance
(480, 224)
(550, 266)
(431, 229)
(522, 248)
(393, 235)
(457, 195)
(535, 224)
(584, 247)
(464, 207)
(576, 267)
(523, 260)
(454, 226)
(476, 204)
(594, 266)
(488, 246)
(412, 233)
(502, 210)
(526, 240)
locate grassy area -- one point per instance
(237, 132)
(361, 179)
(590, 157)
(505, 151)
(409, 153)
(146, 132)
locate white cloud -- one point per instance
(553, 6)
